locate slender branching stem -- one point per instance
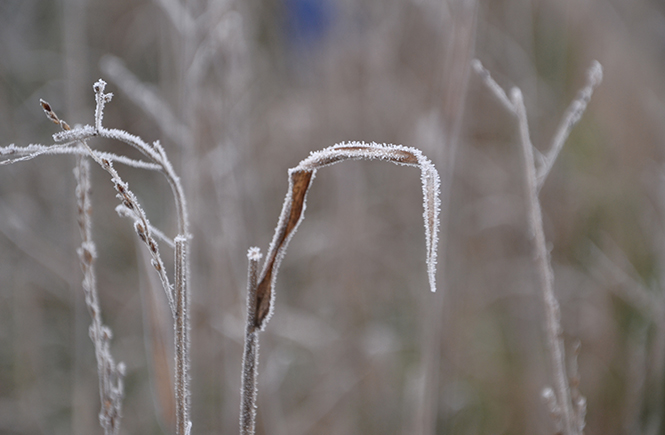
(568, 407)
(492, 85)
(553, 328)
(29, 152)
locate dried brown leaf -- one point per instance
(300, 179)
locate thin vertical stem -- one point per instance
(250, 359)
(181, 337)
(111, 389)
(180, 299)
(553, 328)
(569, 413)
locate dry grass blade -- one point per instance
(300, 179)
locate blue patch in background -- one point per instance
(308, 22)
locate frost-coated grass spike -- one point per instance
(300, 179)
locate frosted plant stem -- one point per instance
(181, 337)
(250, 360)
(261, 289)
(75, 141)
(111, 388)
(553, 328)
(568, 411)
(178, 295)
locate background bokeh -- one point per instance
(358, 344)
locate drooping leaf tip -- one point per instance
(595, 73)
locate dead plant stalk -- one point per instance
(567, 407)
(261, 290)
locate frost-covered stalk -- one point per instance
(179, 296)
(111, 388)
(553, 328)
(569, 412)
(75, 141)
(181, 325)
(250, 359)
(260, 300)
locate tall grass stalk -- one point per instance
(569, 412)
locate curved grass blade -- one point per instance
(293, 209)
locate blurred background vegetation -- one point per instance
(358, 344)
